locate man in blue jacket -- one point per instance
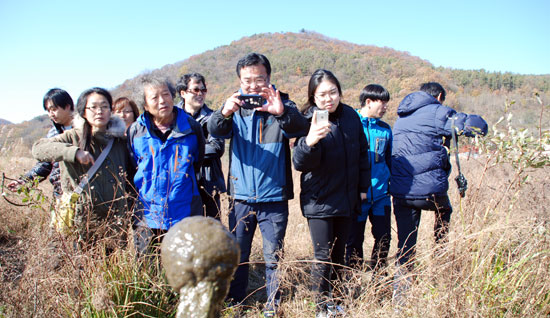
(260, 179)
(421, 166)
(377, 206)
(166, 147)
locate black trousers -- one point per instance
(329, 237)
(407, 217)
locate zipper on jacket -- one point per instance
(261, 129)
(176, 159)
(371, 164)
(153, 152)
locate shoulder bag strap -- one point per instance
(94, 167)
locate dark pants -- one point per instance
(407, 217)
(329, 237)
(272, 218)
(379, 215)
(210, 203)
(147, 240)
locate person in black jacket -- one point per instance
(60, 106)
(335, 176)
(192, 89)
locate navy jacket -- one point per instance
(420, 164)
(336, 169)
(211, 175)
(259, 163)
(165, 171)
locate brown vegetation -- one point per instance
(496, 263)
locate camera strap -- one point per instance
(461, 181)
(455, 142)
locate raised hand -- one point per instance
(317, 131)
(274, 104)
(231, 105)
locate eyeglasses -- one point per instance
(259, 81)
(96, 109)
(197, 90)
(333, 94)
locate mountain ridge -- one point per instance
(295, 56)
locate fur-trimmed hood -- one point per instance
(116, 126)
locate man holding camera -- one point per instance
(421, 167)
(259, 120)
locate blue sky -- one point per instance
(76, 45)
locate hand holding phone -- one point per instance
(319, 128)
(321, 116)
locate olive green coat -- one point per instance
(105, 196)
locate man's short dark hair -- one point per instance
(183, 82)
(434, 89)
(254, 59)
(374, 92)
(59, 97)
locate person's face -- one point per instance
(98, 112)
(159, 102)
(376, 109)
(253, 79)
(195, 94)
(61, 116)
(127, 114)
(327, 96)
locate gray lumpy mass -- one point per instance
(200, 257)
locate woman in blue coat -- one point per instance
(335, 173)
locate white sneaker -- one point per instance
(322, 314)
(334, 310)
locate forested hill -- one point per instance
(295, 56)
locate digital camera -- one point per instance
(251, 101)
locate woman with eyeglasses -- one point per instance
(334, 176)
(126, 109)
(100, 209)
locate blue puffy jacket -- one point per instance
(420, 163)
(165, 176)
(379, 137)
(259, 163)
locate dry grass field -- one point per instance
(496, 263)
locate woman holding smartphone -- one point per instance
(101, 207)
(335, 175)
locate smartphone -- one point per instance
(251, 101)
(321, 116)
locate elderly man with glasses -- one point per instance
(260, 180)
(192, 89)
